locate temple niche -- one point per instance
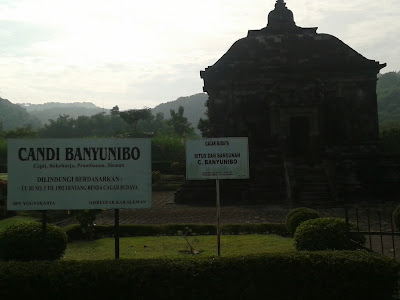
(307, 102)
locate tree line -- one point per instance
(167, 134)
(133, 122)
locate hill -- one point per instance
(194, 107)
(52, 110)
(388, 92)
(13, 116)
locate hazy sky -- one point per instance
(137, 54)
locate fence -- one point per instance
(377, 225)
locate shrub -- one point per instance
(326, 234)
(396, 217)
(24, 242)
(3, 187)
(86, 218)
(298, 215)
(3, 198)
(177, 168)
(328, 275)
(155, 176)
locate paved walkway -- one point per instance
(165, 211)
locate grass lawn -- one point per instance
(3, 176)
(172, 247)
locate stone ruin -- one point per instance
(307, 103)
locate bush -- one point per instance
(86, 218)
(298, 215)
(24, 242)
(177, 168)
(155, 176)
(3, 187)
(396, 217)
(3, 199)
(326, 234)
(329, 275)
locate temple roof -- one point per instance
(283, 45)
(281, 17)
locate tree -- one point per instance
(83, 126)
(114, 112)
(204, 126)
(180, 123)
(133, 116)
(63, 127)
(21, 132)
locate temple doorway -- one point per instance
(299, 137)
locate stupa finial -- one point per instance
(281, 17)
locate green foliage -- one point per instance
(63, 127)
(180, 123)
(24, 242)
(155, 176)
(169, 148)
(21, 132)
(133, 116)
(86, 220)
(194, 107)
(156, 125)
(189, 236)
(98, 125)
(4, 213)
(177, 168)
(298, 215)
(3, 188)
(114, 112)
(3, 155)
(204, 126)
(388, 94)
(396, 217)
(296, 275)
(3, 198)
(7, 222)
(391, 140)
(326, 234)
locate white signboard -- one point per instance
(58, 174)
(217, 158)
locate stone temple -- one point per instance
(307, 103)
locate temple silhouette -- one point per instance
(307, 103)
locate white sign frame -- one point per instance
(68, 174)
(217, 158)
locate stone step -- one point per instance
(313, 183)
(314, 194)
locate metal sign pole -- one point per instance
(218, 219)
(116, 233)
(44, 231)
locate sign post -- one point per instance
(116, 233)
(76, 174)
(218, 218)
(217, 158)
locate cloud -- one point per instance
(17, 38)
(137, 54)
